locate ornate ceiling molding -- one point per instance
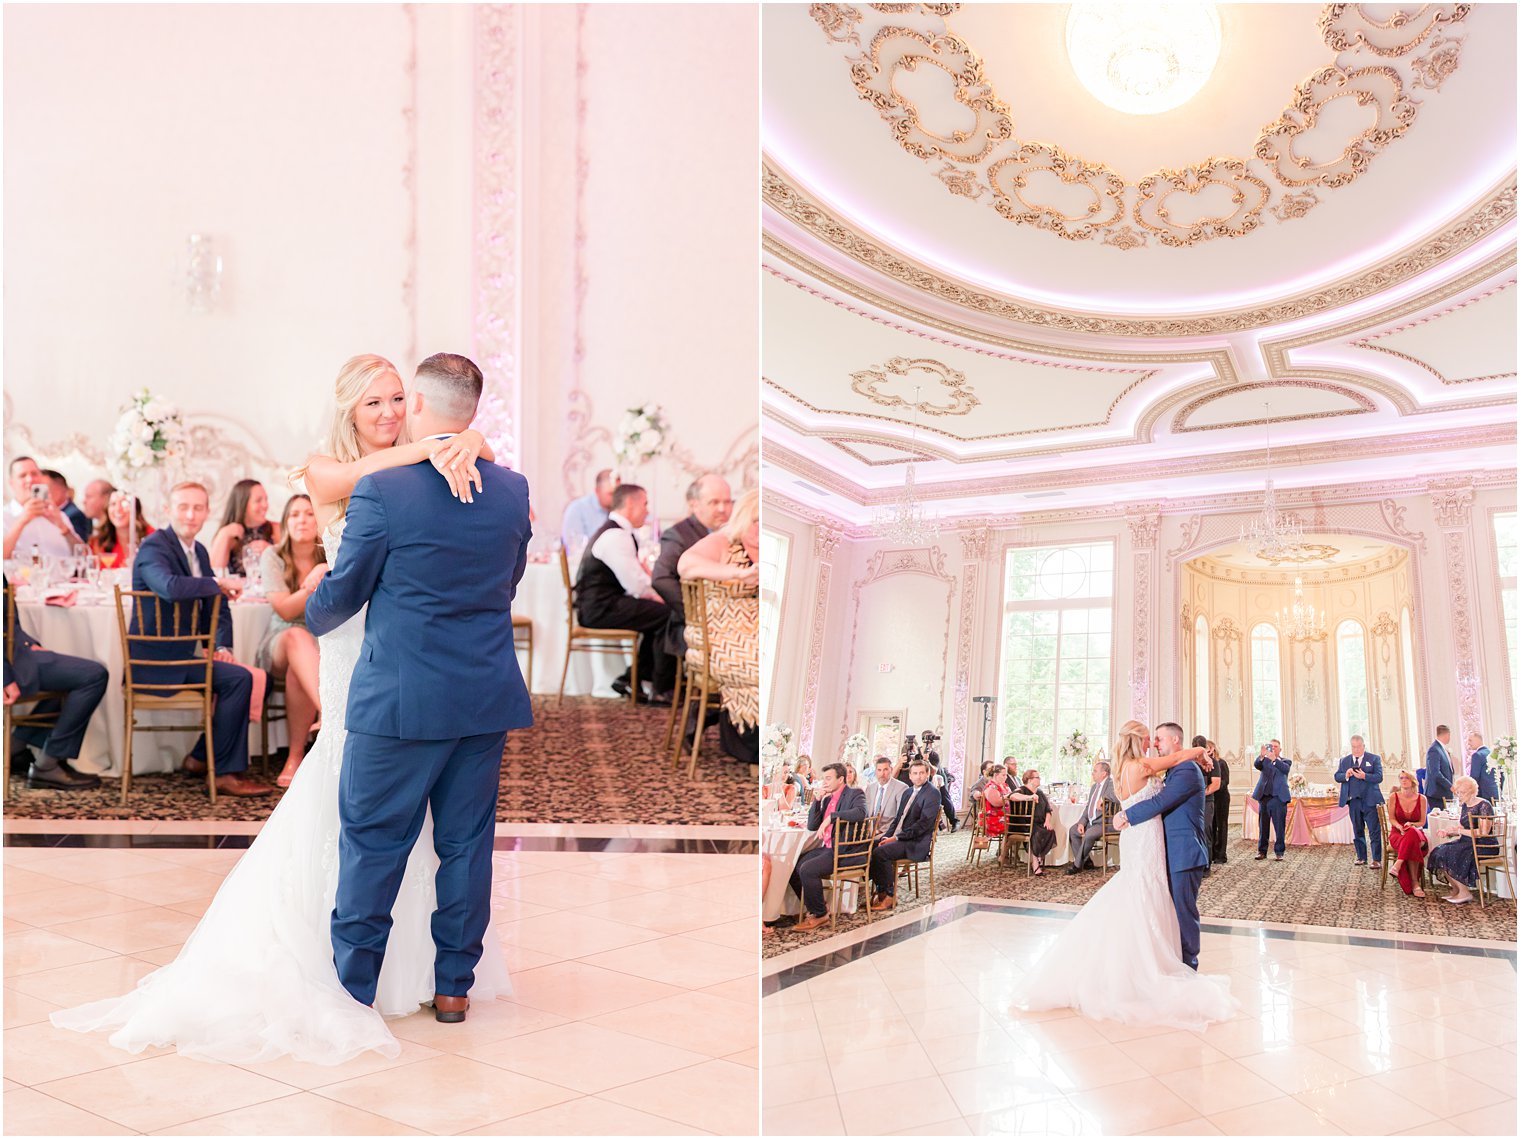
(1215, 570)
(868, 382)
(1368, 65)
(1180, 419)
(1367, 342)
(782, 194)
(1304, 454)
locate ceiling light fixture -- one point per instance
(906, 521)
(1143, 59)
(1274, 537)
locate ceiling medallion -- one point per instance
(1143, 59)
(1220, 196)
(1308, 552)
(868, 383)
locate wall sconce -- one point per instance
(203, 273)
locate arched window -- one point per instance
(1351, 676)
(1411, 693)
(1266, 687)
(1201, 699)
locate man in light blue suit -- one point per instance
(1272, 796)
(1180, 805)
(1360, 775)
(434, 693)
(1438, 769)
(1478, 768)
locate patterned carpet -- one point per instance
(1312, 886)
(588, 761)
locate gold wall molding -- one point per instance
(785, 196)
(1180, 419)
(868, 382)
(1367, 65)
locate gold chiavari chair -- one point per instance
(580, 639)
(700, 689)
(1110, 839)
(1020, 833)
(23, 713)
(852, 846)
(905, 870)
(1491, 854)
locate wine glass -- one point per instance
(92, 572)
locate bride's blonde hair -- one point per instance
(342, 439)
(1129, 746)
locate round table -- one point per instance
(785, 845)
(89, 629)
(541, 595)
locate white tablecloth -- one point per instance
(785, 845)
(89, 629)
(541, 596)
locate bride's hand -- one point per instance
(312, 579)
(455, 460)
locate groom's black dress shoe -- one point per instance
(450, 1010)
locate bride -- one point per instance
(1120, 957)
(256, 981)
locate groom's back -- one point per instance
(438, 639)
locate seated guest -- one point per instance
(1438, 769)
(1088, 830)
(110, 541)
(291, 571)
(1479, 769)
(32, 522)
(1407, 841)
(883, 795)
(851, 776)
(172, 564)
(983, 774)
(1454, 860)
(97, 497)
(1044, 837)
(835, 801)
(727, 559)
(585, 515)
(910, 835)
(802, 775)
(612, 591)
(62, 496)
(1360, 775)
(710, 504)
(995, 794)
(784, 786)
(82, 682)
(245, 526)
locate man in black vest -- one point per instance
(613, 591)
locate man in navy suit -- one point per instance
(1360, 775)
(910, 835)
(1180, 805)
(835, 800)
(1488, 786)
(82, 684)
(1272, 796)
(172, 564)
(434, 693)
(1438, 769)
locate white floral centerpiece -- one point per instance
(1502, 756)
(1298, 783)
(641, 435)
(855, 747)
(776, 745)
(149, 433)
(1074, 749)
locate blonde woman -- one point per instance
(256, 979)
(1147, 983)
(728, 559)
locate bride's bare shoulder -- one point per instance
(1131, 779)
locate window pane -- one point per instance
(1351, 673)
(1266, 687)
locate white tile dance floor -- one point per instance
(634, 1011)
(919, 1038)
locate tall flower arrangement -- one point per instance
(1074, 749)
(641, 435)
(1502, 756)
(149, 433)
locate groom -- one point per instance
(434, 692)
(1180, 804)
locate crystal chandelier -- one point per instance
(1143, 59)
(1300, 621)
(1273, 537)
(905, 521)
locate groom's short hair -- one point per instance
(1171, 729)
(450, 384)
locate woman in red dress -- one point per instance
(1406, 834)
(995, 795)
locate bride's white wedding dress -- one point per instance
(256, 979)
(1120, 958)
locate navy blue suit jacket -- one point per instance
(1438, 773)
(1180, 804)
(162, 568)
(22, 672)
(914, 826)
(1488, 786)
(1367, 790)
(1274, 779)
(439, 575)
